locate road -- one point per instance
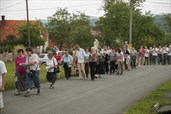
(109, 95)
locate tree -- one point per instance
(82, 36)
(145, 30)
(108, 3)
(81, 31)
(167, 39)
(35, 34)
(9, 43)
(167, 18)
(11, 40)
(59, 27)
(114, 25)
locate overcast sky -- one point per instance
(41, 9)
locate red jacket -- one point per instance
(141, 52)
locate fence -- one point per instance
(7, 56)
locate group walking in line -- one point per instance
(84, 64)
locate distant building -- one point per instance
(8, 27)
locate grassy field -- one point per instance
(10, 82)
(157, 96)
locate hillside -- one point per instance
(161, 22)
(92, 20)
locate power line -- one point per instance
(11, 5)
(158, 2)
(47, 8)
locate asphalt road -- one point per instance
(109, 95)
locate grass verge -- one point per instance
(10, 82)
(157, 96)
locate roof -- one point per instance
(8, 27)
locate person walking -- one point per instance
(107, 62)
(141, 56)
(51, 64)
(169, 55)
(155, 55)
(160, 56)
(3, 72)
(151, 55)
(164, 52)
(80, 56)
(32, 64)
(67, 64)
(127, 59)
(146, 55)
(120, 61)
(20, 72)
(93, 59)
(75, 65)
(99, 65)
(133, 58)
(87, 60)
(112, 59)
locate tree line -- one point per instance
(114, 25)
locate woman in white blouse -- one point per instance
(51, 64)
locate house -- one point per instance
(8, 27)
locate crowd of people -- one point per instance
(90, 63)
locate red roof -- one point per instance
(8, 27)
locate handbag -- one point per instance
(56, 69)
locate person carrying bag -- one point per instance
(51, 66)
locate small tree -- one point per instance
(59, 27)
(11, 40)
(81, 31)
(35, 34)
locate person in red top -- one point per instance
(20, 72)
(141, 56)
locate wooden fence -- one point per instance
(7, 56)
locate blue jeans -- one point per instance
(155, 60)
(33, 78)
(112, 67)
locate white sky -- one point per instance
(41, 9)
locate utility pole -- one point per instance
(28, 25)
(130, 23)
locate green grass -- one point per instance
(157, 96)
(10, 82)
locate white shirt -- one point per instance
(164, 51)
(108, 51)
(160, 51)
(80, 55)
(122, 55)
(2, 70)
(35, 58)
(50, 64)
(154, 52)
(146, 53)
(133, 52)
(169, 52)
(167, 49)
